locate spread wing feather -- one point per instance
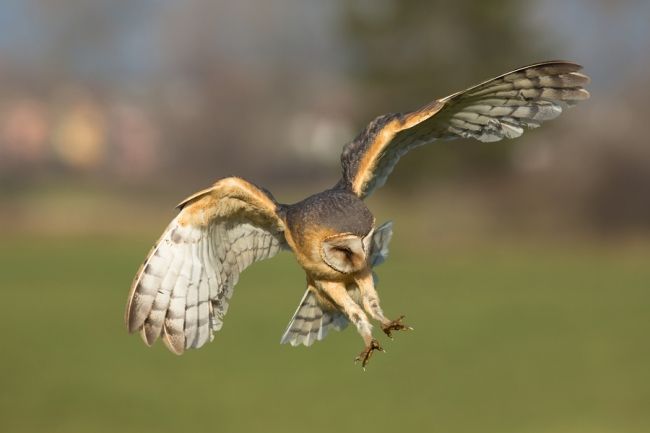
(183, 289)
(495, 109)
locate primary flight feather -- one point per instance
(182, 291)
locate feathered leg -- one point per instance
(370, 301)
(339, 296)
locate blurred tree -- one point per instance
(404, 54)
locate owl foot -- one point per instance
(395, 325)
(365, 355)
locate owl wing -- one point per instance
(183, 288)
(495, 109)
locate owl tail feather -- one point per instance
(312, 320)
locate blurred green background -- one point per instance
(523, 265)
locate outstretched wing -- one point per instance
(183, 288)
(498, 108)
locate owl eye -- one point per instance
(344, 250)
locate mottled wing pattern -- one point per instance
(183, 289)
(504, 106)
(315, 316)
(498, 108)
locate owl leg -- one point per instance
(370, 301)
(339, 296)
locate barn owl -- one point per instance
(182, 290)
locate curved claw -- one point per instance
(365, 355)
(395, 325)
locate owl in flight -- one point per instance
(182, 291)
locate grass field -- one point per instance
(517, 338)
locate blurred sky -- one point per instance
(127, 44)
(611, 40)
(129, 41)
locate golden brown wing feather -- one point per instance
(495, 109)
(182, 290)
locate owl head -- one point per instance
(346, 252)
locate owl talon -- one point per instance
(395, 325)
(365, 355)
